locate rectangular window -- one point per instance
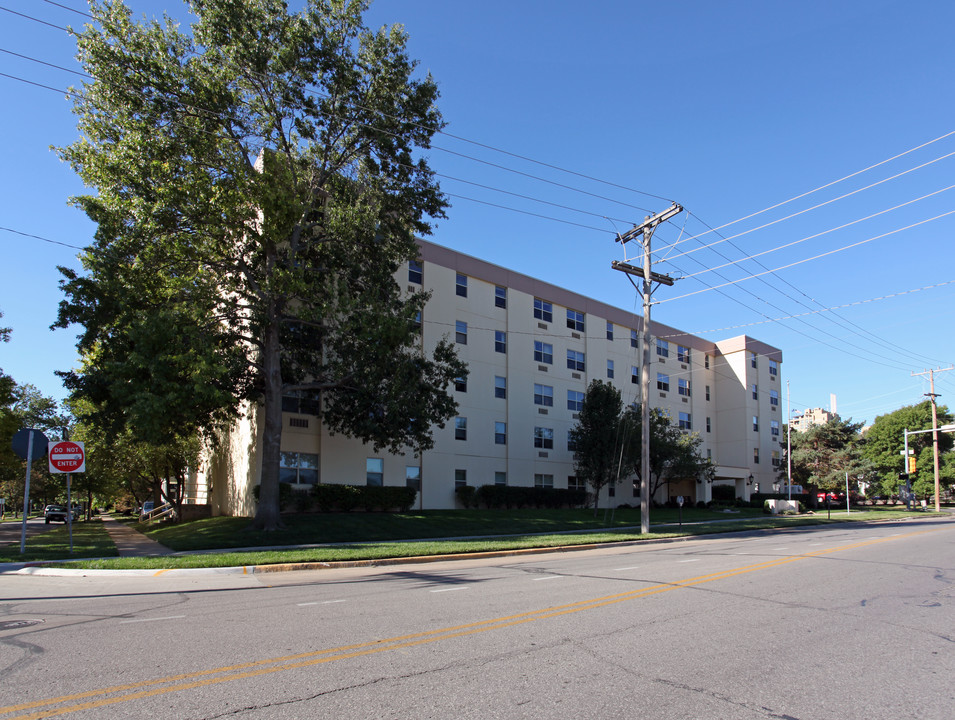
(543, 352)
(575, 400)
(774, 397)
(707, 392)
(543, 480)
(663, 348)
(544, 438)
(461, 332)
(417, 321)
(413, 477)
(756, 456)
(706, 361)
(773, 367)
(685, 422)
(709, 454)
(683, 354)
(415, 272)
(460, 478)
(752, 360)
(610, 369)
(500, 386)
(574, 484)
(575, 320)
(543, 310)
(633, 338)
(774, 428)
(663, 382)
(500, 341)
(301, 402)
(500, 296)
(755, 389)
(461, 384)
(575, 360)
(298, 468)
(500, 433)
(609, 330)
(375, 471)
(500, 478)
(461, 285)
(571, 441)
(634, 375)
(755, 423)
(543, 395)
(460, 428)
(683, 387)
(775, 458)
(708, 425)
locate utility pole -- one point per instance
(932, 395)
(645, 230)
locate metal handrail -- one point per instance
(159, 512)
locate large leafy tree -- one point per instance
(675, 454)
(885, 442)
(825, 453)
(259, 181)
(596, 437)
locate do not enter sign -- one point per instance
(67, 457)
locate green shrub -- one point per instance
(724, 493)
(345, 498)
(466, 495)
(519, 496)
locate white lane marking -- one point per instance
(306, 604)
(632, 567)
(549, 577)
(451, 589)
(778, 549)
(690, 560)
(142, 620)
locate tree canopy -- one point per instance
(259, 180)
(607, 442)
(596, 438)
(823, 454)
(884, 443)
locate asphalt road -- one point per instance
(854, 621)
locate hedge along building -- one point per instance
(532, 349)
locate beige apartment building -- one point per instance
(532, 349)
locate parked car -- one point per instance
(54, 513)
(147, 508)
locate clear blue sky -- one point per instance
(727, 108)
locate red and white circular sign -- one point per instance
(67, 456)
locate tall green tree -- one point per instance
(824, 454)
(885, 443)
(675, 454)
(259, 179)
(596, 438)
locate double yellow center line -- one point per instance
(177, 683)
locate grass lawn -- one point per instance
(222, 532)
(375, 536)
(89, 540)
(355, 530)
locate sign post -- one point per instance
(68, 457)
(27, 444)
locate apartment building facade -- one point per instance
(532, 348)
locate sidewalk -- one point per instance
(130, 542)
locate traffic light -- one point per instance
(911, 463)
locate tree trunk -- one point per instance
(268, 513)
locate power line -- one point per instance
(824, 232)
(38, 237)
(814, 207)
(830, 184)
(815, 257)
